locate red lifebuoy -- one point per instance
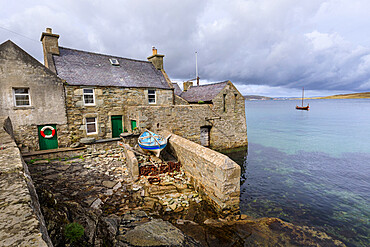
(47, 136)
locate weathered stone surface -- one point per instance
(47, 102)
(225, 119)
(155, 233)
(108, 101)
(132, 163)
(21, 221)
(87, 140)
(213, 173)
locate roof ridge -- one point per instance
(211, 84)
(106, 55)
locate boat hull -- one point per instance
(149, 141)
(304, 108)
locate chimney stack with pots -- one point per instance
(50, 46)
(187, 84)
(156, 59)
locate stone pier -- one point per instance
(215, 175)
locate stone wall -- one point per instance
(214, 174)
(109, 101)
(19, 70)
(229, 104)
(28, 139)
(21, 220)
(227, 129)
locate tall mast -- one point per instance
(302, 95)
(196, 68)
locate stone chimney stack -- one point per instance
(156, 59)
(187, 84)
(49, 45)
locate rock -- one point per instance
(87, 140)
(243, 217)
(96, 204)
(155, 233)
(210, 221)
(117, 186)
(109, 184)
(75, 145)
(173, 206)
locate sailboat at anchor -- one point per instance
(306, 108)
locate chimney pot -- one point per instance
(49, 30)
(154, 50)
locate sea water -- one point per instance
(309, 167)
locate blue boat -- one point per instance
(150, 141)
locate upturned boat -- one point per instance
(306, 108)
(152, 142)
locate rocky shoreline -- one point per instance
(96, 191)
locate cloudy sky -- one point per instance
(266, 47)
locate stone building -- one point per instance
(107, 95)
(83, 94)
(214, 116)
(33, 98)
(98, 87)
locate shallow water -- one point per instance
(309, 168)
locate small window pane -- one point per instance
(151, 96)
(88, 95)
(21, 90)
(89, 99)
(21, 96)
(91, 128)
(90, 120)
(91, 125)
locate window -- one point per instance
(91, 126)
(21, 96)
(224, 103)
(151, 96)
(114, 61)
(89, 98)
(236, 101)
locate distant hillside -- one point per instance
(256, 97)
(347, 96)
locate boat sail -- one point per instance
(306, 108)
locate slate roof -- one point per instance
(92, 69)
(203, 92)
(177, 88)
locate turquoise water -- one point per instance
(309, 168)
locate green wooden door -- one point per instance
(46, 142)
(116, 125)
(133, 124)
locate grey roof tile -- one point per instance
(203, 92)
(92, 69)
(177, 88)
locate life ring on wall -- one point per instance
(45, 128)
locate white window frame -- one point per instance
(155, 97)
(95, 123)
(15, 94)
(114, 61)
(93, 94)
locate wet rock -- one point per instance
(155, 233)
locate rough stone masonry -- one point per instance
(21, 221)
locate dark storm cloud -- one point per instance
(278, 44)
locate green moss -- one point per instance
(73, 232)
